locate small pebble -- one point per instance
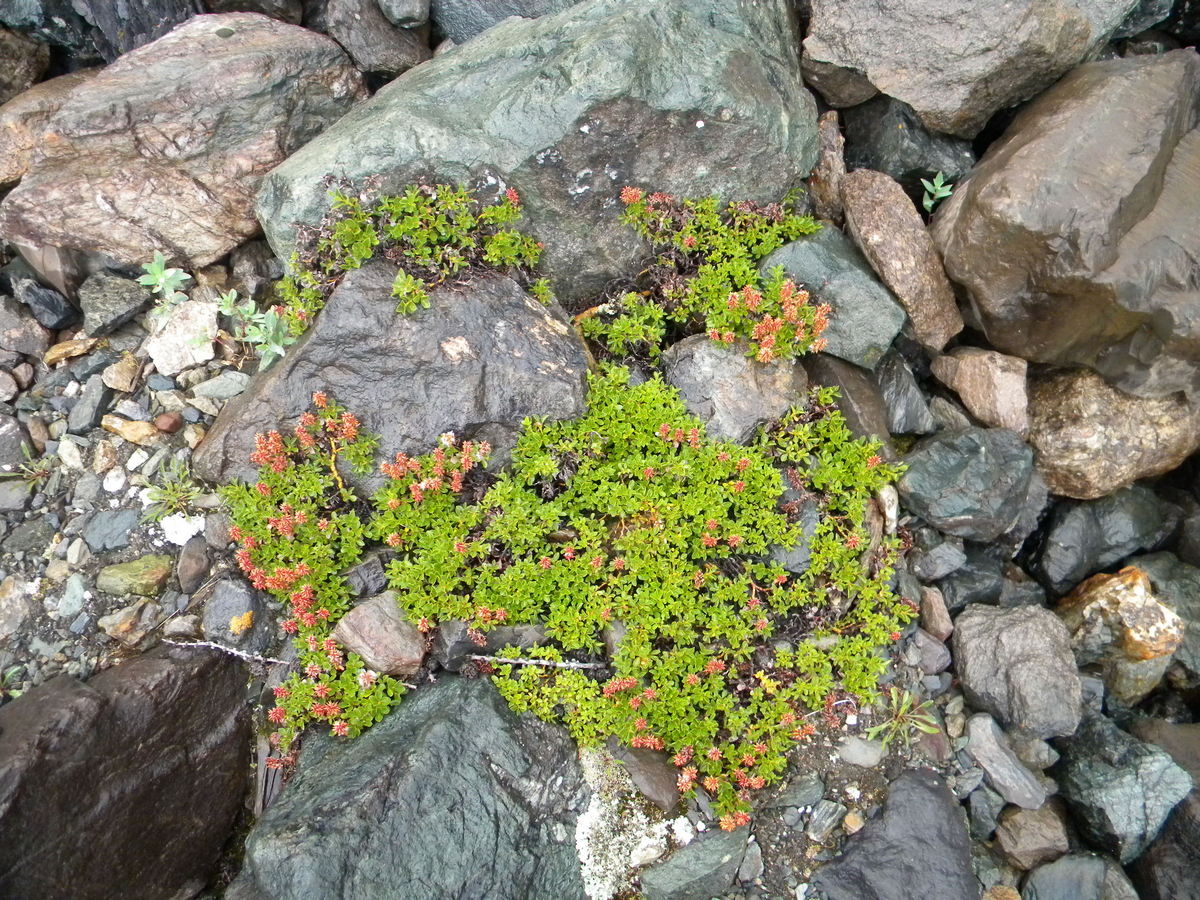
(169, 422)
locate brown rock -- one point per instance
(192, 566)
(1030, 837)
(24, 374)
(891, 234)
(1001, 892)
(825, 184)
(990, 384)
(104, 458)
(170, 422)
(935, 618)
(378, 632)
(20, 332)
(198, 116)
(1116, 621)
(651, 772)
(143, 433)
(123, 374)
(1077, 236)
(68, 350)
(1090, 439)
(24, 118)
(859, 400)
(66, 784)
(24, 62)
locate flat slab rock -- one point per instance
(450, 797)
(76, 812)
(477, 362)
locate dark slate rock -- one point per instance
(703, 869)
(376, 45)
(84, 367)
(1184, 22)
(54, 22)
(1084, 537)
(1017, 665)
(367, 578)
(918, 847)
(1178, 585)
(1120, 790)
(461, 20)
(13, 440)
(727, 390)
(453, 647)
(77, 816)
(907, 410)
(1080, 876)
(48, 306)
(866, 317)
(223, 619)
(886, 135)
(1146, 14)
(20, 332)
(969, 482)
(938, 561)
(984, 807)
(495, 797)
(109, 529)
(108, 302)
(406, 13)
(90, 406)
(1018, 589)
(477, 362)
(1170, 868)
(602, 107)
(980, 579)
(989, 747)
(797, 557)
(859, 399)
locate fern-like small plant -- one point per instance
(904, 718)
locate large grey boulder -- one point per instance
(866, 317)
(1017, 665)
(954, 67)
(677, 96)
(476, 362)
(1077, 236)
(195, 119)
(1090, 439)
(1084, 537)
(918, 847)
(451, 796)
(77, 816)
(727, 390)
(969, 482)
(1119, 789)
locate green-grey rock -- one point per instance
(689, 97)
(1119, 789)
(145, 576)
(1080, 876)
(451, 796)
(703, 869)
(866, 317)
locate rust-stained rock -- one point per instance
(891, 234)
(25, 116)
(194, 119)
(1117, 622)
(1090, 439)
(825, 183)
(69, 349)
(143, 433)
(991, 385)
(378, 632)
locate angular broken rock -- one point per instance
(1100, 270)
(991, 385)
(477, 362)
(184, 338)
(379, 632)
(955, 68)
(196, 117)
(825, 184)
(1117, 622)
(891, 234)
(1090, 439)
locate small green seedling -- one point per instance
(935, 191)
(165, 282)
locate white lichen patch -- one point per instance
(618, 831)
(456, 349)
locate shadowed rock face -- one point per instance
(451, 796)
(952, 65)
(674, 96)
(477, 362)
(1077, 237)
(164, 149)
(80, 815)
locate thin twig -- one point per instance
(540, 662)
(224, 649)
